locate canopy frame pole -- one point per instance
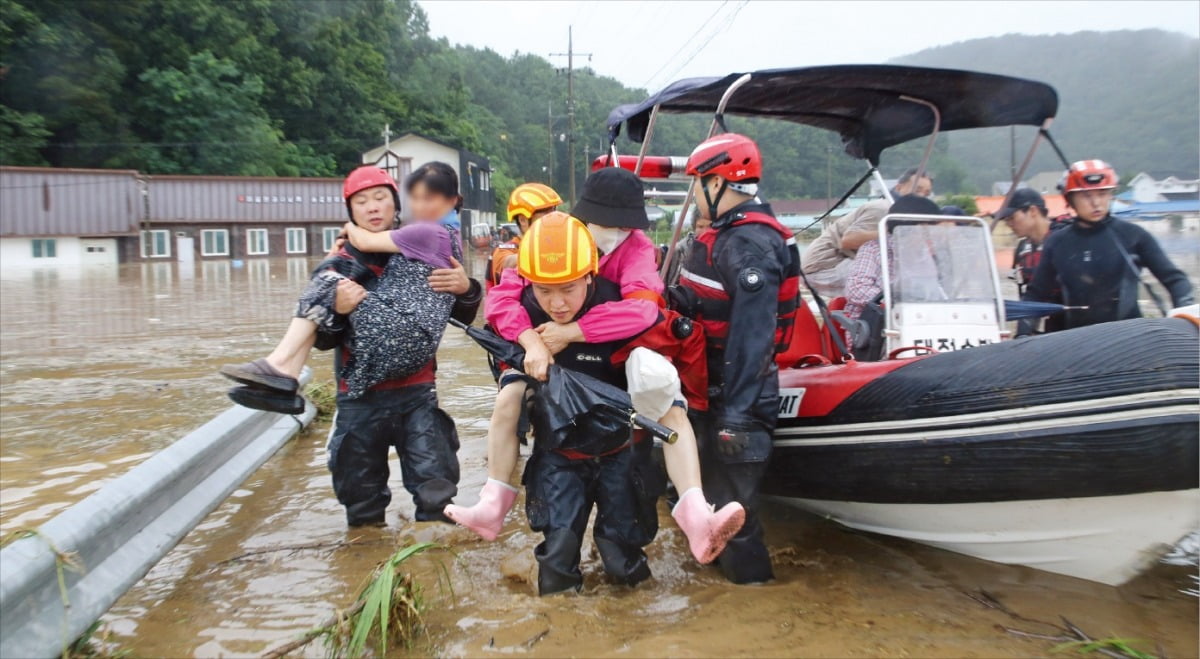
(637, 169)
(718, 122)
(1020, 173)
(840, 201)
(887, 194)
(1045, 132)
(937, 127)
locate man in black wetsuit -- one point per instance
(1097, 261)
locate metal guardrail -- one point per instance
(121, 531)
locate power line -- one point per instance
(709, 39)
(683, 45)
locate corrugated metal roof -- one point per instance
(37, 201)
(191, 199)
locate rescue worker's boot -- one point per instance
(558, 562)
(486, 518)
(707, 530)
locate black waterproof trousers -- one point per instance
(560, 493)
(736, 478)
(409, 420)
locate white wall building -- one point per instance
(411, 150)
(66, 216)
(1146, 189)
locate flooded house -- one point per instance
(238, 217)
(54, 216)
(67, 216)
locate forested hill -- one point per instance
(282, 87)
(1130, 97)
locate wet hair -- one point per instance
(439, 178)
(909, 174)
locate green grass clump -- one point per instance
(1111, 647)
(387, 610)
(324, 396)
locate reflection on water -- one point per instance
(101, 367)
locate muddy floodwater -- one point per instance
(102, 367)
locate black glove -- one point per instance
(732, 442)
(684, 300)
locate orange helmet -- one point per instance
(1089, 175)
(557, 249)
(529, 198)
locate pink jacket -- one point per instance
(631, 265)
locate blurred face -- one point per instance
(429, 206)
(373, 209)
(702, 224)
(523, 223)
(562, 302)
(1091, 205)
(922, 187)
(1022, 222)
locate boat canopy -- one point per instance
(872, 107)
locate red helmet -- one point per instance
(731, 156)
(1089, 175)
(367, 176)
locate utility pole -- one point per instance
(570, 55)
(386, 135)
(550, 133)
(1012, 152)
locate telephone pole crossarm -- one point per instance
(570, 55)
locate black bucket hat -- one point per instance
(613, 197)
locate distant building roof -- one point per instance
(373, 155)
(1043, 182)
(1055, 204)
(1180, 207)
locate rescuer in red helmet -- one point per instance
(385, 376)
(741, 277)
(1098, 259)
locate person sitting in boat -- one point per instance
(601, 467)
(528, 202)
(741, 279)
(827, 260)
(1027, 217)
(1097, 260)
(864, 283)
(613, 205)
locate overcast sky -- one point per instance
(647, 44)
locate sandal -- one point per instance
(260, 375)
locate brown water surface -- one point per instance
(101, 367)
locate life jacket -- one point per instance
(594, 359)
(713, 302)
(594, 435)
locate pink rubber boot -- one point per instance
(707, 531)
(486, 518)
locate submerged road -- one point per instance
(100, 368)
